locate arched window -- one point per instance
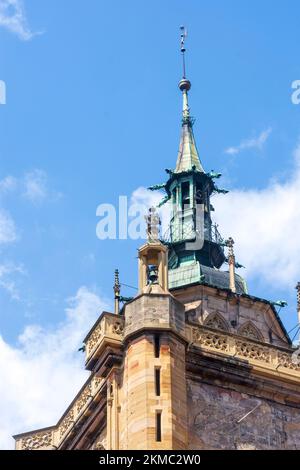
(249, 329)
(215, 320)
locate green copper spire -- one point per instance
(188, 157)
(196, 248)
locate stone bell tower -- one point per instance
(154, 347)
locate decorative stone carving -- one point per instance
(67, 422)
(94, 338)
(118, 328)
(84, 397)
(244, 349)
(37, 441)
(250, 330)
(97, 381)
(211, 340)
(252, 351)
(216, 321)
(285, 360)
(108, 328)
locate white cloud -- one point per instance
(9, 183)
(8, 234)
(9, 273)
(42, 374)
(35, 186)
(266, 226)
(253, 143)
(32, 185)
(13, 18)
(7, 228)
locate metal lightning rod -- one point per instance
(183, 37)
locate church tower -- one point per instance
(193, 361)
(196, 248)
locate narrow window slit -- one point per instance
(157, 381)
(158, 426)
(156, 345)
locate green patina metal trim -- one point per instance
(156, 187)
(212, 174)
(125, 299)
(220, 191)
(198, 175)
(164, 201)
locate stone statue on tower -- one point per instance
(153, 225)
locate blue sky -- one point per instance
(93, 112)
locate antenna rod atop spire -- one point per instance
(184, 84)
(182, 47)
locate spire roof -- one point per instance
(188, 157)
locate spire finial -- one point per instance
(231, 261)
(184, 84)
(117, 290)
(183, 36)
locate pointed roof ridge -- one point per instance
(188, 157)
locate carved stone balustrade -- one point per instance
(254, 352)
(52, 438)
(107, 331)
(105, 337)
